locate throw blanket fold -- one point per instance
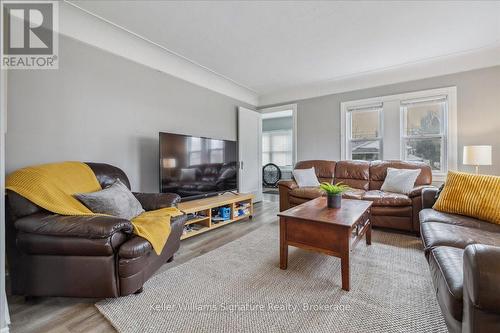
(52, 186)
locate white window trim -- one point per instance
(451, 128)
(287, 107)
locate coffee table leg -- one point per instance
(283, 244)
(346, 275)
(369, 233)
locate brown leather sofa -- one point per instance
(94, 256)
(211, 177)
(391, 210)
(464, 261)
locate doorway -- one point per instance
(279, 146)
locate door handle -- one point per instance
(241, 165)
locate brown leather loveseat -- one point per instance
(91, 256)
(392, 210)
(464, 261)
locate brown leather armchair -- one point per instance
(390, 210)
(91, 256)
(464, 261)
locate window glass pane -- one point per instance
(424, 150)
(365, 124)
(266, 142)
(367, 150)
(195, 158)
(216, 144)
(265, 158)
(282, 158)
(424, 118)
(281, 142)
(195, 143)
(216, 156)
(277, 147)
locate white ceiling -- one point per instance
(274, 46)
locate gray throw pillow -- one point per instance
(115, 200)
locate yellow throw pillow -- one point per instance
(471, 195)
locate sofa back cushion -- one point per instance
(107, 174)
(325, 170)
(378, 171)
(355, 174)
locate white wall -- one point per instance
(99, 107)
(478, 114)
(4, 315)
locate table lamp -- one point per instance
(477, 155)
(169, 163)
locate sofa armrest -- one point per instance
(73, 226)
(137, 246)
(482, 276)
(417, 190)
(153, 201)
(288, 184)
(481, 289)
(429, 197)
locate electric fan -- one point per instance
(271, 174)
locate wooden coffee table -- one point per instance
(313, 226)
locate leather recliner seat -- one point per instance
(464, 261)
(391, 210)
(83, 256)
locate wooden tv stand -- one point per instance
(203, 209)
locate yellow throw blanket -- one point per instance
(52, 186)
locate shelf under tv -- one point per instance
(202, 208)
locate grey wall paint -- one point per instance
(275, 124)
(103, 108)
(318, 119)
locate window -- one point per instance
(424, 132)
(416, 126)
(216, 151)
(194, 151)
(365, 134)
(277, 147)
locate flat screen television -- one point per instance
(196, 167)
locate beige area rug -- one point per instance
(240, 288)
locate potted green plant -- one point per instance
(334, 193)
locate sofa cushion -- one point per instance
(446, 266)
(381, 198)
(431, 215)
(307, 192)
(294, 201)
(436, 234)
(353, 193)
(353, 173)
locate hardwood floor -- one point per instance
(59, 314)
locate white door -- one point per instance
(250, 152)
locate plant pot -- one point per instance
(334, 201)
